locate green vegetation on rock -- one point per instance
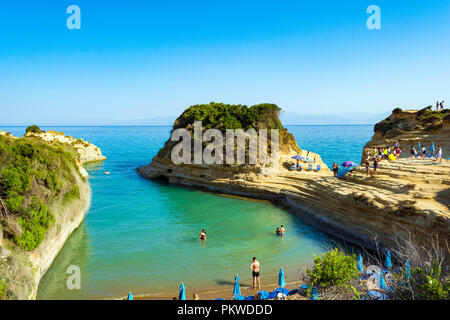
(226, 116)
(33, 174)
(33, 128)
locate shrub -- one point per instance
(333, 267)
(33, 174)
(33, 128)
(397, 110)
(424, 284)
(34, 226)
(3, 288)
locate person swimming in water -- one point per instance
(202, 235)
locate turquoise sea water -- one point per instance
(142, 236)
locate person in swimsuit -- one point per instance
(202, 235)
(367, 166)
(424, 152)
(282, 230)
(335, 169)
(278, 232)
(375, 166)
(298, 167)
(255, 272)
(413, 152)
(442, 105)
(439, 154)
(437, 105)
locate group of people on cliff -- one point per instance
(379, 154)
(439, 105)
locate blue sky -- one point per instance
(144, 59)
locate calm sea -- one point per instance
(142, 236)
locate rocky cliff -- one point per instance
(21, 267)
(409, 127)
(405, 198)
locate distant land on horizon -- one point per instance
(287, 118)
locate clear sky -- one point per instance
(142, 59)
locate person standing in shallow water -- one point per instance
(282, 230)
(202, 235)
(255, 273)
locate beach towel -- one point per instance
(263, 295)
(272, 295)
(392, 157)
(239, 297)
(250, 298)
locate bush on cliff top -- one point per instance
(226, 116)
(33, 174)
(33, 128)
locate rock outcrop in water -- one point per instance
(57, 180)
(406, 197)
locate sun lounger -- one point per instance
(239, 297)
(310, 167)
(293, 167)
(250, 298)
(282, 290)
(273, 294)
(318, 168)
(302, 289)
(292, 292)
(375, 295)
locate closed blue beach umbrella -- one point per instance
(387, 261)
(408, 269)
(281, 281)
(420, 147)
(130, 296)
(382, 282)
(359, 265)
(432, 147)
(237, 288)
(182, 294)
